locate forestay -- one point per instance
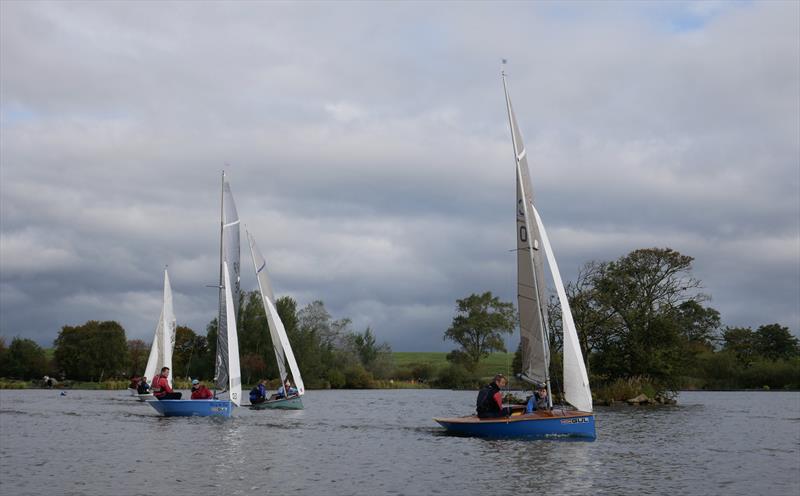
(164, 337)
(277, 332)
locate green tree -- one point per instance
(479, 325)
(642, 293)
(699, 325)
(138, 353)
(287, 310)
(92, 351)
(26, 359)
(376, 358)
(190, 357)
(3, 358)
(774, 341)
(741, 341)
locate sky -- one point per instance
(368, 151)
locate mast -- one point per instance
(221, 293)
(524, 235)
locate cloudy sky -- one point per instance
(370, 156)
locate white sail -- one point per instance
(576, 380)
(164, 337)
(531, 289)
(230, 252)
(280, 340)
(264, 286)
(232, 359)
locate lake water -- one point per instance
(383, 442)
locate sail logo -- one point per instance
(579, 420)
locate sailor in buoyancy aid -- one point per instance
(259, 393)
(490, 400)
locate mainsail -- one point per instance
(229, 252)
(280, 341)
(531, 289)
(231, 357)
(164, 337)
(531, 240)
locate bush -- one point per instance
(456, 376)
(336, 379)
(631, 387)
(356, 377)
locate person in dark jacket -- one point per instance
(490, 399)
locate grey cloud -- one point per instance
(370, 156)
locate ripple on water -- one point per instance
(379, 442)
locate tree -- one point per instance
(92, 351)
(3, 358)
(376, 358)
(699, 325)
(741, 341)
(774, 341)
(190, 357)
(138, 353)
(642, 293)
(26, 359)
(479, 325)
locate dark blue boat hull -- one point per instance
(193, 408)
(542, 426)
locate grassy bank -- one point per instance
(487, 368)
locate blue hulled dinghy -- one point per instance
(533, 247)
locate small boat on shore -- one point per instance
(533, 247)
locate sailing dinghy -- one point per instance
(163, 343)
(280, 341)
(533, 246)
(228, 378)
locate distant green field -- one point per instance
(494, 363)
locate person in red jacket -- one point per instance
(161, 388)
(200, 391)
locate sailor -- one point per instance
(143, 387)
(286, 390)
(490, 400)
(538, 400)
(259, 393)
(161, 388)
(200, 391)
